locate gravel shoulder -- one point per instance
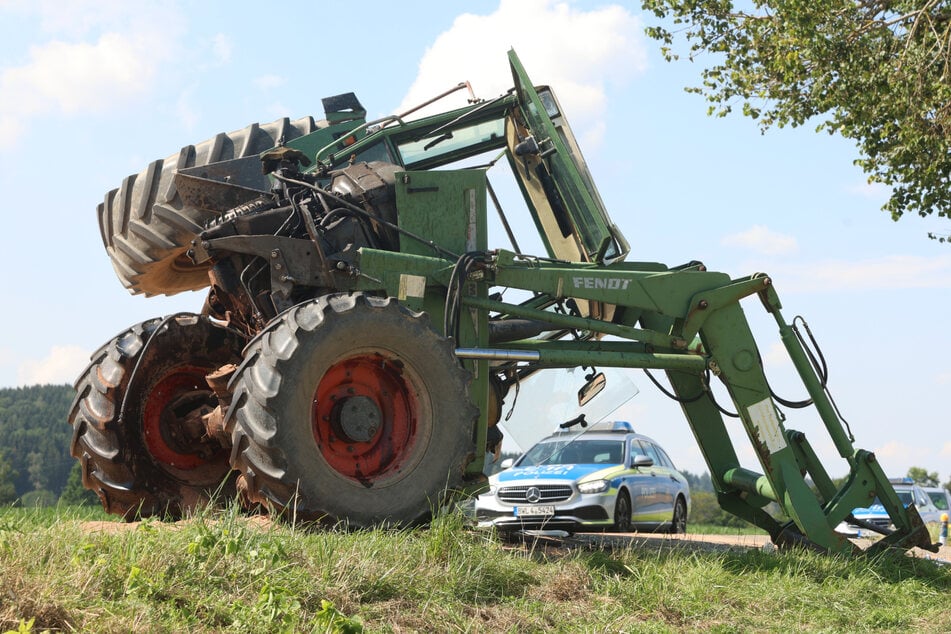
(727, 542)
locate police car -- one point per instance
(605, 477)
(909, 493)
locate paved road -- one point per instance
(723, 542)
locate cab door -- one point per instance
(554, 176)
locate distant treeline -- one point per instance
(34, 439)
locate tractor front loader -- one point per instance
(356, 343)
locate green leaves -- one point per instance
(875, 72)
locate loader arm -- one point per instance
(660, 313)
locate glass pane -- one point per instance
(550, 397)
(438, 145)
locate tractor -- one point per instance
(356, 343)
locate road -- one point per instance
(727, 542)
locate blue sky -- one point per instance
(92, 91)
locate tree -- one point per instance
(74, 493)
(875, 71)
(36, 437)
(36, 470)
(923, 477)
(706, 510)
(8, 491)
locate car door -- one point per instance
(650, 492)
(926, 508)
(668, 472)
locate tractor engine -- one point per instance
(321, 233)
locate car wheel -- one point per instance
(678, 523)
(622, 513)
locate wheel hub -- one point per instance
(171, 429)
(364, 417)
(358, 417)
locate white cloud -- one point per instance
(71, 77)
(898, 452)
(943, 379)
(776, 356)
(761, 239)
(78, 18)
(892, 272)
(946, 450)
(579, 53)
(62, 365)
(79, 70)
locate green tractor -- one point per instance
(355, 346)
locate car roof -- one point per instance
(597, 435)
(590, 435)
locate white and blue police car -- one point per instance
(604, 477)
(875, 515)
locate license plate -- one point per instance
(534, 511)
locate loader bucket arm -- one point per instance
(660, 314)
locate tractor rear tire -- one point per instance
(146, 228)
(350, 409)
(136, 453)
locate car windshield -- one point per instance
(570, 451)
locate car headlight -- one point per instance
(595, 486)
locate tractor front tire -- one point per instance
(350, 409)
(138, 452)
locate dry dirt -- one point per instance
(727, 542)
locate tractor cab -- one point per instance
(528, 128)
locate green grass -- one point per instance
(228, 573)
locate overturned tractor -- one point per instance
(354, 347)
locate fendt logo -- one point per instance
(610, 283)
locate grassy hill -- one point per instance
(229, 573)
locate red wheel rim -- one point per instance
(166, 438)
(364, 417)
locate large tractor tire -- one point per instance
(145, 226)
(352, 410)
(136, 420)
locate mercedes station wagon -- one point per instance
(605, 477)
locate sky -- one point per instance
(92, 91)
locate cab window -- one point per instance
(485, 133)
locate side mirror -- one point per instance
(640, 460)
(591, 389)
(505, 464)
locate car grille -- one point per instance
(549, 493)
